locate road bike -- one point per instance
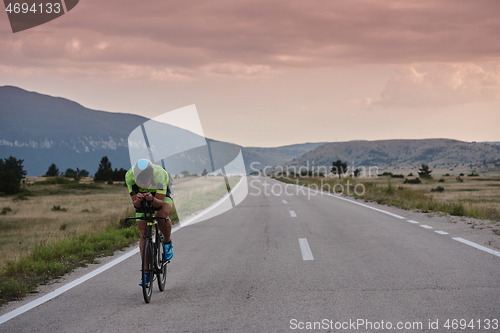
(153, 263)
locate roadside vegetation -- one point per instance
(193, 194)
(466, 195)
(54, 225)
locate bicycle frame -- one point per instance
(151, 251)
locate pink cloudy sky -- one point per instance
(275, 72)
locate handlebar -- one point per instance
(147, 208)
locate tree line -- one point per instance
(104, 172)
(340, 168)
(12, 173)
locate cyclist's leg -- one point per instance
(165, 226)
(142, 225)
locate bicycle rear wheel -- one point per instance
(147, 270)
(161, 268)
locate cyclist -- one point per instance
(150, 182)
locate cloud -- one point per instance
(254, 39)
(238, 70)
(439, 85)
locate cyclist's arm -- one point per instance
(136, 199)
(158, 200)
(133, 189)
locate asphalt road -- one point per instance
(354, 269)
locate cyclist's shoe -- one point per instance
(147, 279)
(168, 251)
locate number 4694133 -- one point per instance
(42, 8)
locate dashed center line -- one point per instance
(284, 201)
(307, 254)
(305, 249)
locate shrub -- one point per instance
(412, 181)
(55, 180)
(458, 210)
(5, 210)
(59, 209)
(398, 176)
(441, 180)
(390, 190)
(438, 189)
(20, 197)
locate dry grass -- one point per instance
(477, 197)
(84, 210)
(34, 221)
(482, 191)
(196, 194)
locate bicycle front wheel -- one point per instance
(161, 265)
(147, 270)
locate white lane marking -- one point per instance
(305, 249)
(292, 214)
(441, 232)
(497, 253)
(426, 226)
(69, 286)
(477, 246)
(59, 291)
(354, 202)
(358, 203)
(33, 304)
(284, 201)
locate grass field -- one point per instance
(56, 225)
(195, 194)
(46, 213)
(57, 211)
(477, 197)
(51, 228)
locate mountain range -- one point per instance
(443, 155)
(42, 130)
